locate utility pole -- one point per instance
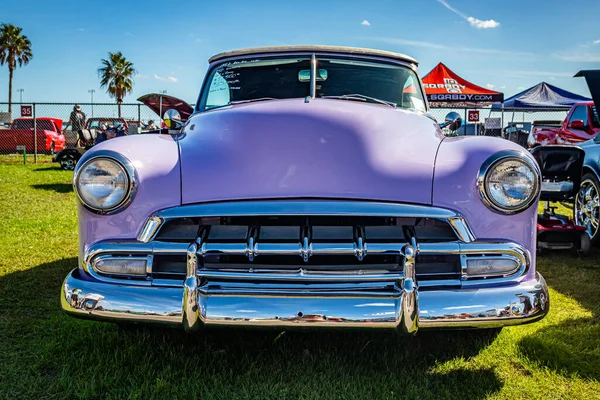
(91, 92)
(20, 95)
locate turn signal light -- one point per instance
(127, 266)
(489, 266)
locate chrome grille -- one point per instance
(295, 242)
(298, 246)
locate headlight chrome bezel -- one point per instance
(493, 161)
(129, 171)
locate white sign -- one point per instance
(21, 148)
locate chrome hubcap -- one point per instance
(68, 163)
(587, 207)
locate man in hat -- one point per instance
(77, 120)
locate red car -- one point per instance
(582, 124)
(49, 135)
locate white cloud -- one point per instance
(490, 86)
(521, 88)
(597, 41)
(365, 23)
(479, 24)
(529, 74)
(141, 76)
(502, 87)
(462, 49)
(80, 29)
(578, 56)
(171, 79)
(475, 22)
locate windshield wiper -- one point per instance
(361, 97)
(251, 100)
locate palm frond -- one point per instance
(116, 74)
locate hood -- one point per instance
(153, 101)
(321, 149)
(592, 78)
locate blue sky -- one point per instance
(506, 45)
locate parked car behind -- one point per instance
(21, 133)
(582, 123)
(586, 208)
(301, 193)
(97, 130)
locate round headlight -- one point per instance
(104, 184)
(509, 182)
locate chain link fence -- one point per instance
(33, 131)
(513, 125)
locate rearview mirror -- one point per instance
(172, 119)
(577, 124)
(453, 121)
(304, 75)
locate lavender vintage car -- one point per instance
(309, 188)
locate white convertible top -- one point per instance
(313, 49)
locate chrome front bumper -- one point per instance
(221, 304)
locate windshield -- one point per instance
(285, 77)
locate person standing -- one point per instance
(77, 121)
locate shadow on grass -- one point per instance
(572, 347)
(54, 167)
(574, 276)
(53, 353)
(57, 187)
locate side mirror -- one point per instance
(577, 124)
(453, 121)
(172, 119)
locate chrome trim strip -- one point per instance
(261, 208)
(474, 249)
(150, 229)
(461, 229)
(129, 170)
(493, 160)
(301, 275)
(258, 208)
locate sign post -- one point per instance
(34, 137)
(24, 149)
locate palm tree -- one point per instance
(116, 74)
(14, 48)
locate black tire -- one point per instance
(68, 162)
(52, 149)
(585, 244)
(586, 209)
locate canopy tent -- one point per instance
(444, 88)
(542, 95)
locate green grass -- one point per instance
(46, 354)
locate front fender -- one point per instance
(455, 187)
(157, 173)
